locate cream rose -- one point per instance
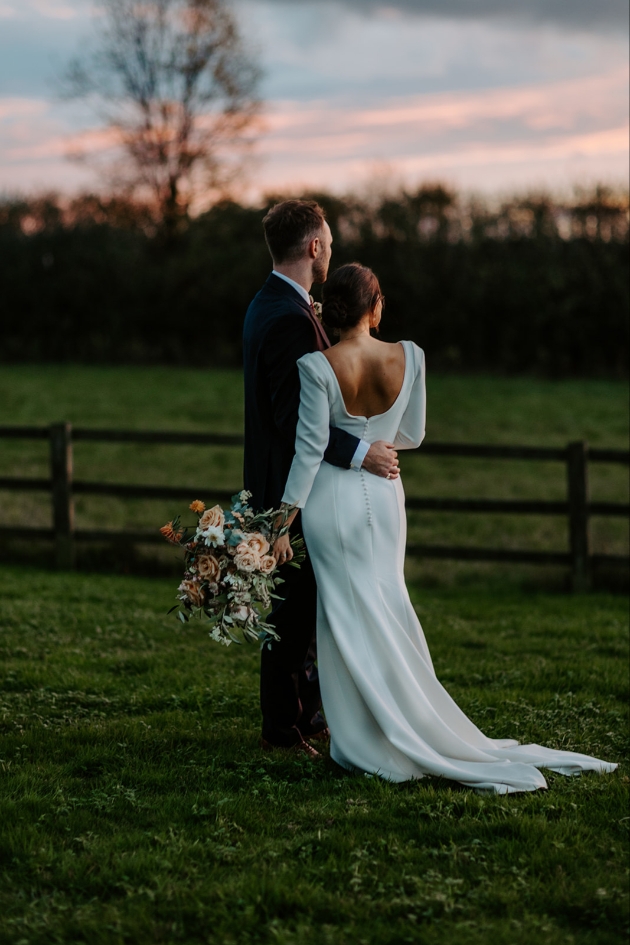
(208, 568)
(267, 564)
(247, 560)
(192, 592)
(258, 543)
(212, 517)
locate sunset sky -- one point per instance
(492, 95)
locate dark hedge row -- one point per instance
(529, 287)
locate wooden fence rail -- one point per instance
(577, 507)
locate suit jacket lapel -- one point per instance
(283, 288)
(323, 341)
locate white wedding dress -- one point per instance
(388, 714)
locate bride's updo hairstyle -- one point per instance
(349, 293)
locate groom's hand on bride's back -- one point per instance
(382, 460)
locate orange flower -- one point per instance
(192, 592)
(197, 506)
(170, 534)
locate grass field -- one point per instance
(136, 807)
(460, 409)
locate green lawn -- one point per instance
(460, 409)
(136, 807)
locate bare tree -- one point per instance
(175, 87)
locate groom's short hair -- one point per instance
(290, 226)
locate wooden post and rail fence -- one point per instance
(577, 508)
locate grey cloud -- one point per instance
(595, 15)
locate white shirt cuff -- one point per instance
(360, 454)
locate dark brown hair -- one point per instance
(290, 226)
(350, 292)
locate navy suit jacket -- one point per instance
(278, 330)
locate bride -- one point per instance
(387, 712)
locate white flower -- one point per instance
(237, 581)
(216, 635)
(242, 613)
(213, 535)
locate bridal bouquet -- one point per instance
(230, 573)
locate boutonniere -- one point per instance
(317, 307)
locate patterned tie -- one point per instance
(321, 337)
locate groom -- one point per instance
(280, 327)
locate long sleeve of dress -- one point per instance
(312, 432)
(412, 426)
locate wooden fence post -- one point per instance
(62, 501)
(577, 483)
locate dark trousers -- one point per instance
(289, 684)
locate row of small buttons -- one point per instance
(364, 482)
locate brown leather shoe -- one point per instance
(300, 748)
(303, 748)
(323, 736)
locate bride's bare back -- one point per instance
(370, 373)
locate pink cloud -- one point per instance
(11, 108)
(538, 107)
(54, 10)
(536, 125)
(611, 142)
(556, 131)
(60, 145)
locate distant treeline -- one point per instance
(530, 285)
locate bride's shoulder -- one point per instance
(415, 351)
(313, 364)
(312, 360)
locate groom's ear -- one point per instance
(316, 245)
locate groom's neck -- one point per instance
(300, 271)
